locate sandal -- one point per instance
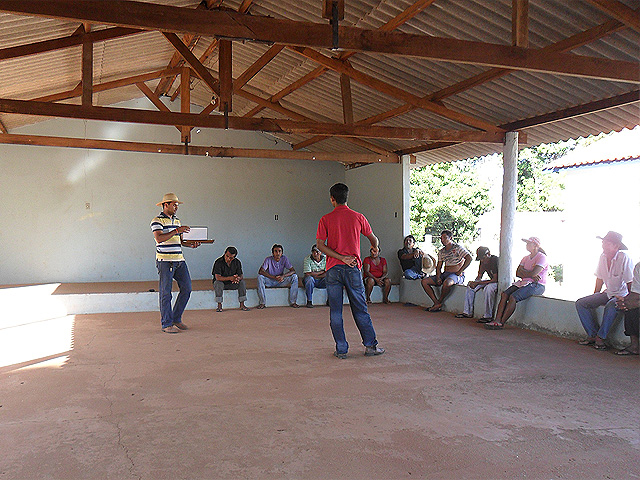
(587, 341)
(244, 308)
(219, 309)
(494, 326)
(600, 346)
(462, 315)
(626, 352)
(261, 306)
(484, 320)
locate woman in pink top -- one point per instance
(374, 271)
(532, 273)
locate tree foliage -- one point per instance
(447, 196)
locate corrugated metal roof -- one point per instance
(516, 96)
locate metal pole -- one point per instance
(507, 217)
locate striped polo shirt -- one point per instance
(169, 250)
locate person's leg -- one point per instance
(293, 289)
(334, 293)
(519, 295)
(585, 307)
(262, 293)
(608, 319)
(242, 294)
(368, 288)
(490, 290)
(355, 291)
(411, 274)
(427, 285)
(218, 288)
(309, 283)
(469, 297)
(181, 274)
(447, 285)
(631, 329)
(386, 290)
(165, 274)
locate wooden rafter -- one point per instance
(226, 75)
(347, 103)
(87, 70)
(192, 60)
(185, 101)
(239, 26)
(620, 11)
(567, 44)
(116, 114)
(205, 151)
(520, 23)
(65, 42)
(258, 65)
(3, 128)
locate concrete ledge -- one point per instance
(539, 313)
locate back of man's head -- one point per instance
(232, 250)
(339, 192)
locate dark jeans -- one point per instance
(631, 321)
(349, 278)
(167, 272)
(219, 287)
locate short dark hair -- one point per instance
(276, 245)
(448, 233)
(410, 237)
(340, 193)
(232, 250)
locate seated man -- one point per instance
(455, 260)
(411, 259)
(227, 275)
(374, 272)
(488, 265)
(314, 267)
(615, 272)
(631, 307)
(272, 274)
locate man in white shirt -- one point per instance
(615, 272)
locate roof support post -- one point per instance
(508, 213)
(406, 194)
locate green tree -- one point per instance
(447, 196)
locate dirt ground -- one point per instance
(248, 395)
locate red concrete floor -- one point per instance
(248, 395)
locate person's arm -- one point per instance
(262, 271)
(476, 282)
(599, 284)
(366, 270)
(467, 262)
(414, 254)
(289, 272)
(384, 271)
(163, 237)
(346, 259)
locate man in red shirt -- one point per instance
(338, 238)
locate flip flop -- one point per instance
(600, 346)
(586, 342)
(462, 315)
(494, 326)
(261, 306)
(626, 352)
(245, 309)
(484, 320)
(218, 309)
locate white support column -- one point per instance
(507, 217)
(406, 195)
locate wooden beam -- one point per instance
(394, 91)
(185, 101)
(210, 151)
(191, 59)
(65, 42)
(116, 114)
(347, 103)
(232, 25)
(3, 128)
(87, 71)
(424, 148)
(258, 65)
(101, 87)
(152, 97)
(225, 73)
(520, 23)
(575, 111)
(620, 11)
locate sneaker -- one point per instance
(309, 304)
(341, 356)
(171, 329)
(375, 350)
(181, 326)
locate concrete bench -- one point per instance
(539, 313)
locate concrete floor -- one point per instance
(245, 395)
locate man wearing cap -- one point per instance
(615, 272)
(170, 263)
(488, 265)
(314, 267)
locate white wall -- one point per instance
(376, 191)
(50, 236)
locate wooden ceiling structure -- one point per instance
(215, 32)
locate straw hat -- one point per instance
(614, 237)
(428, 264)
(169, 198)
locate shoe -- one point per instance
(626, 352)
(171, 329)
(484, 320)
(309, 304)
(294, 305)
(462, 315)
(371, 351)
(341, 356)
(600, 346)
(587, 341)
(494, 326)
(181, 326)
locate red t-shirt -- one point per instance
(341, 230)
(375, 270)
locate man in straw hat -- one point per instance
(615, 272)
(170, 263)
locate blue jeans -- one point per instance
(266, 282)
(413, 274)
(586, 306)
(310, 283)
(167, 272)
(349, 278)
